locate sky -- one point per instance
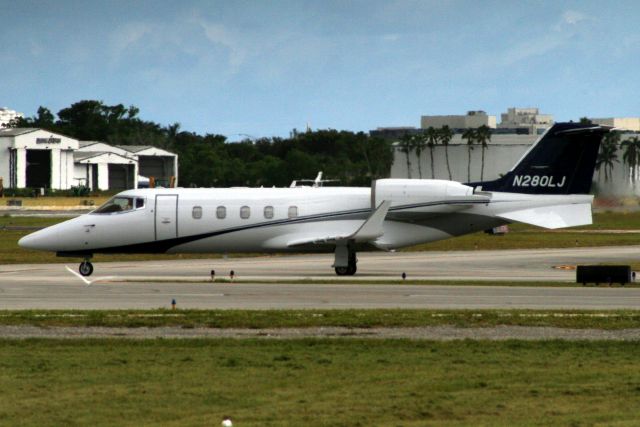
(262, 68)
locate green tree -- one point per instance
(483, 136)
(431, 136)
(209, 160)
(406, 145)
(418, 143)
(608, 155)
(631, 156)
(470, 136)
(445, 135)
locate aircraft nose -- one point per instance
(37, 240)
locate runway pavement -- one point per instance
(51, 286)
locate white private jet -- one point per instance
(548, 187)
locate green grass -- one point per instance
(260, 319)
(318, 382)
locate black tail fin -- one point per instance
(562, 161)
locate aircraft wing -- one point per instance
(370, 230)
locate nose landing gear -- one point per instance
(86, 268)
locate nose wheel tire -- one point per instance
(86, 268)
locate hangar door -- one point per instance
(38, 168)
(152, 166)
(120, 177)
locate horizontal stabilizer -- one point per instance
(557, 216)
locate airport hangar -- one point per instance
(37, 158)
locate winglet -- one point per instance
(372, 227)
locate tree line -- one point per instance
(210, 160)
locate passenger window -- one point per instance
(268, 212)
(221, 212)
(196, 212)
(293, 211)
(139, 203)
(245, 212)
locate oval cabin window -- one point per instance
(245, 212)
(293, 211)
(196, 213)
(221, 212)
(268, 212)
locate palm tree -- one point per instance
(631, 156)
(607, 155)
(418, 143)
(483, 136)
(445, 135)
(431, 137)
(470, 136)
(406, 145)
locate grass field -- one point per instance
(259, 319)
(521, 236)
(318, 383)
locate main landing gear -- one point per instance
(86, 268)
(345, 262)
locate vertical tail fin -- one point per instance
(562, 161)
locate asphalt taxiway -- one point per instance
(155, 284)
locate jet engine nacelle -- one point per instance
(406, 191)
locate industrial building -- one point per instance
(37, 158)
(472, 120)
(528, 118)
(622, 123)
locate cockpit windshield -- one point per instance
(120, 204)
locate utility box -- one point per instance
(603, 274)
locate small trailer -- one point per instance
(608, 274)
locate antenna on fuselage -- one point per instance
(315, 183)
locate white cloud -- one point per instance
(573, 17)
(217, 34)
(128, 35)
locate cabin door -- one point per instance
(166, 217)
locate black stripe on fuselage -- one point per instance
(162, 246)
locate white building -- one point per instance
(36, 158)
(622, 123)
(155, 162)
(102, 166)
(530, 118)
(6, 115)
(473, 119)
